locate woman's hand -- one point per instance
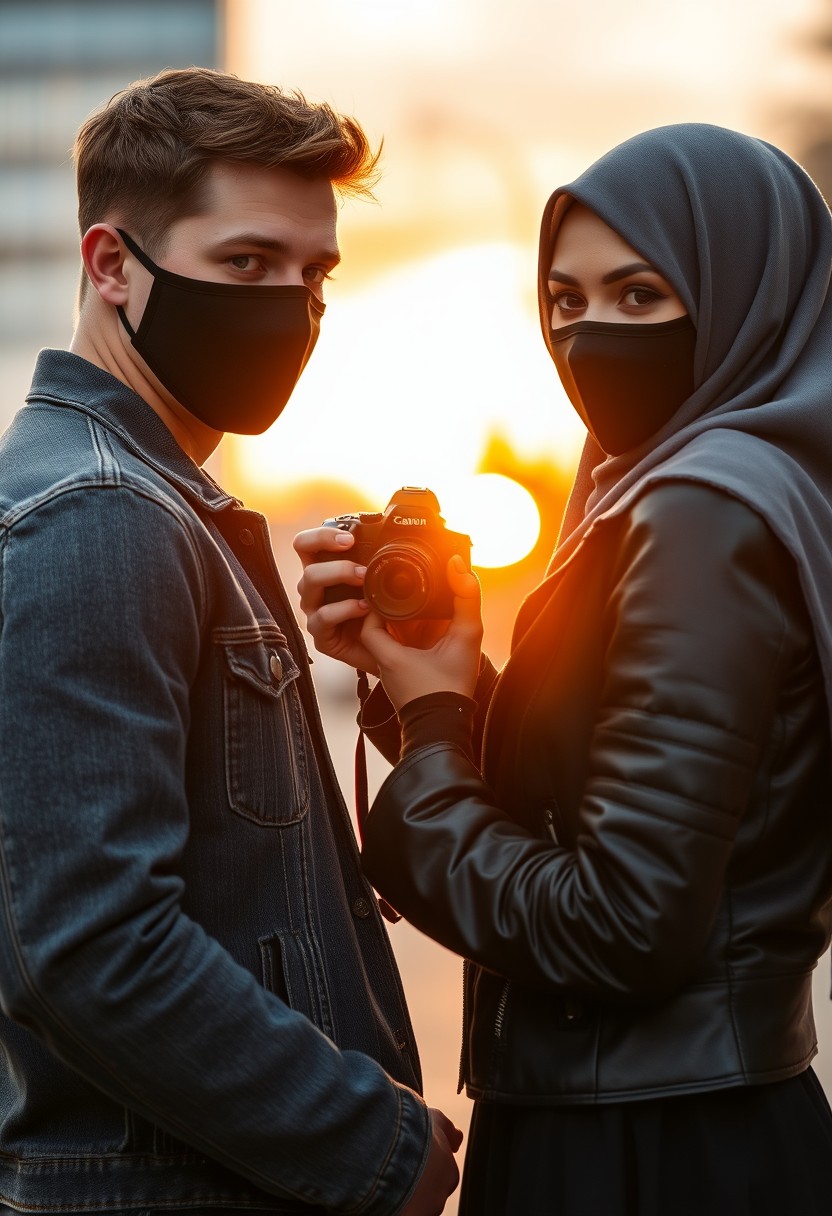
(336, 627)
(436, 656)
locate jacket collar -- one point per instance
(65, 379)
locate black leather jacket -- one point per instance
(641, 877)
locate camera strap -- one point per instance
(362, 798)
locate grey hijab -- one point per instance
(745, 239)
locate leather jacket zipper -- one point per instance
(460, 1082)
(501, 1011)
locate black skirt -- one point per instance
(763, 1150)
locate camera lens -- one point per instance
(398, 581)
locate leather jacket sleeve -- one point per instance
(695, 642)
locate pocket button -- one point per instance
(276, 668)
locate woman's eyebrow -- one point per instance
(560, 276)
(623, 271)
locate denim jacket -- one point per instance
(200, 1004)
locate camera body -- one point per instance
(406, 549)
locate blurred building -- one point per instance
(814, 118)
(59, 60)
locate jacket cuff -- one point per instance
(440, 717)
(406, 1160)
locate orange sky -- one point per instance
(431, 342)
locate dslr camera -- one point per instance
(406, 548)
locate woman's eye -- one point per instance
(567, 302)
(640, 297)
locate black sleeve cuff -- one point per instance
(440, 717)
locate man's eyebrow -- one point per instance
(560, 276)
(257, 240)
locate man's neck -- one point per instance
(193, 436)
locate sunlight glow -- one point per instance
(499, 515)
(412, 374)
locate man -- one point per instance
(202, 1011)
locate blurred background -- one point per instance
(430, 369)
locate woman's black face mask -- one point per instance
(230, 353)
(626, 381)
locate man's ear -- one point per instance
(104, 254)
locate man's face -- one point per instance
(264, 227)
(256, 228)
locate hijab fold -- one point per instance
(744, 237)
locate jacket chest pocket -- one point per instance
(266, 758)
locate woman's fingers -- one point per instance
(315, 544)
(462, 581)
(465, 585)
(319, 575)
(330, 595)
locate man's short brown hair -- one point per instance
(144, 156)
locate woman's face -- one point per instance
(597, 276)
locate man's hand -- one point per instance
(335, 628)
(440, 1176)
(447, 663)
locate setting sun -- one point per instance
(499, 515)
(410, 377)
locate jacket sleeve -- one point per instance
(101, 609)
(694, 654)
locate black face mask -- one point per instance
(626, 381)
(231, 354)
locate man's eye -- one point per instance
(243, 261)
(315, 275)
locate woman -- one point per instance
(635, 856)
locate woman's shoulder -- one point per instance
(687, 509)
(687, 528)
